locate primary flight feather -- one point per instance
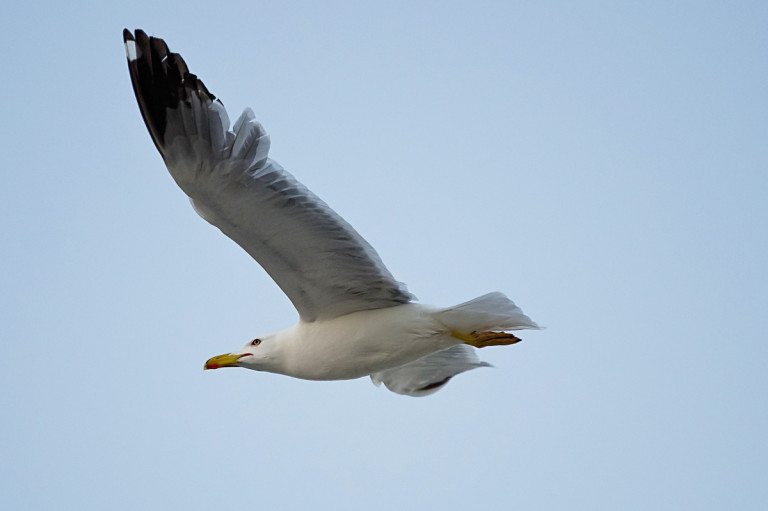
(355, 318)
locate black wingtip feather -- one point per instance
(161, 81)
(434, 385)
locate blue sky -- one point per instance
(603, 163)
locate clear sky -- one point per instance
(605, 164)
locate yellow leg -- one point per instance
(483, 339)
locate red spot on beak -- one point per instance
(212, 365)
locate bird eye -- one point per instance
(255, 342)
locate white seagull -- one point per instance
(355, 319)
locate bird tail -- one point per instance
(491, 312)
(479, 322)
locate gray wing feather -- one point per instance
(319, 261)
(429, 374)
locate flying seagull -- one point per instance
(355, 319)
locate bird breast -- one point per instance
(362, 343)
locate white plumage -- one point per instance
(355, 318)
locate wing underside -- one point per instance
(429, 374)
(319, 261)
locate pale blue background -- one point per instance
(603, 163)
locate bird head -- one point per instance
(256, 354)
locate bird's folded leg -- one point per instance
(483, 339)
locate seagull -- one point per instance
(355, 319)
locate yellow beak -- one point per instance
(228, 360)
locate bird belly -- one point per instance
(365, 342)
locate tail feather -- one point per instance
(480, 319)
(493, 311)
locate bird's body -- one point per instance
(355, 318)
(360, 343)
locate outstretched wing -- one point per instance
(429, 374)
(324, 266)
